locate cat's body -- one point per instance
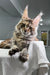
(6, 44)
(25, 32)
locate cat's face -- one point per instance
(28, 27)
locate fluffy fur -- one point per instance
(25, 32)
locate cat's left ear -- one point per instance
(37, 19)
(25, 13)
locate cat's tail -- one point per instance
(6, 44)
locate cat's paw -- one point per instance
(13, 51)
(8, 46)
(23, 58)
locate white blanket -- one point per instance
(37, 58)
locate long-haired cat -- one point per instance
(25, 32)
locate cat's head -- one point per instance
(27, 26)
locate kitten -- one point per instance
(25, 32)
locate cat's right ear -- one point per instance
(36, 20)
(25, 13)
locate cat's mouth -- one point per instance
(26, 34)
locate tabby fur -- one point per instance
(25, 32)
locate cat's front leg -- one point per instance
(24, 56)
(13, 50)
(7, 46)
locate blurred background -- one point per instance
(11, 12)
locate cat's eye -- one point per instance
(23, 25)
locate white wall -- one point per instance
(7, 24)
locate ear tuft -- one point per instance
(41, 13)
(26, 7)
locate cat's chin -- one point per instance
(26, 36)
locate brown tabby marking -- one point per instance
(25, 32)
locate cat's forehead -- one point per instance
(26, 21)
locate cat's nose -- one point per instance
(25, 30)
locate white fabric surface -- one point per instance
(43, 71)
(37, 59)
